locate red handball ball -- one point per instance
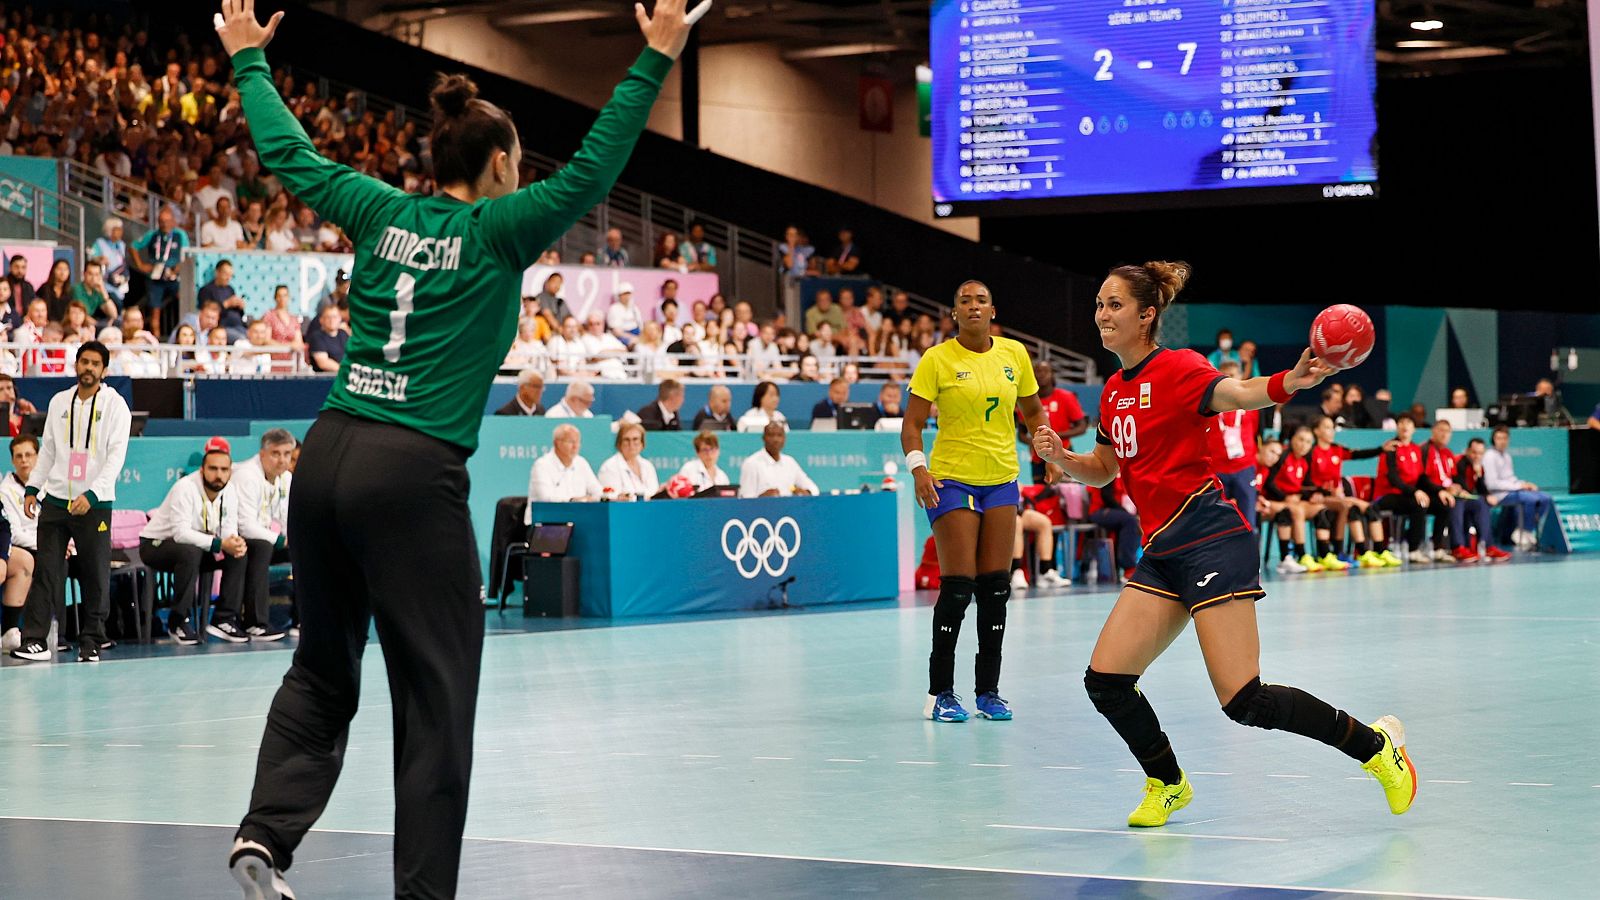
(680, 486)
(1342, 336)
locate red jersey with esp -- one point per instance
(1061, 408)
(1327, 466)
(1232, 440)
(1155, 417)
(1406, 462)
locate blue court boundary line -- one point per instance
(821, 859)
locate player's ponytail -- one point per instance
(1155, 286)
(466, 131)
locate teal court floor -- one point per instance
(784, 755)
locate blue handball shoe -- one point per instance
(992, 706)
(946, 707)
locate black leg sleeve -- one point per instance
(993, 591)
(955, 592)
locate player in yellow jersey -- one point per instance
(969, 489)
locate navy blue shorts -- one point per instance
(978, 498)
(1206, 555)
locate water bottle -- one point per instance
(1094, 569)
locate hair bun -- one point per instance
(1170, 277)
(452, 93)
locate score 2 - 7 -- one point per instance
(1103, 57)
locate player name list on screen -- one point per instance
(1082, 104)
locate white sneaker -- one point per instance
(1420, 557)
(1053, 579)
(1444, 556)
(11, 640)
(1019, 581)
(251, 865)
(1290, 566)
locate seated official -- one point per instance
(717, 415)
(662, 415)
(261, 486)
(530, 388)
(887, 412)
(562, 475)
(23, 540)
(763, 410)
(702, 471)
(771, 473)
(576, 403)
(838, 395)
(627, 473)
(194, 533)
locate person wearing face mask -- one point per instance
(1224, 352)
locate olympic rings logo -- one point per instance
(759, 543)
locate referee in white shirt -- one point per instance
(71, 492)
(772, 474)
(561, 475)
(195, 533)
(260, 486)
(23, 539)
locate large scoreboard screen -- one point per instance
(1083, 105)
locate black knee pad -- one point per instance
(1324, 519)
(1260, 705)
(1283, 518)
(1112, 695)
(955, 592)
(993, 589)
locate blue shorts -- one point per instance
(979, 499)
(1206, 555)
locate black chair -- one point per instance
(507, 545)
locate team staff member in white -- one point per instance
(561, 475)
(71, 492)
(24, 540)
(772, 474)
(194, 533)
(261, 486)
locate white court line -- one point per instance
(846, 760)
(124, 745)
(919, 762)
(699, 756)
(1288, 776)
(765, 757)
(1210, 773)
(1136, 770)
(1447, 781)
(1303, 888)
(990, 765)
(622, 753)
(1356, 777)
(197, 746)
(52, 745)
(1080, 767)
(1151, 833)
(1529, 784)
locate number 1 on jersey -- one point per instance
(404, 290)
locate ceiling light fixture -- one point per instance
(1427, 25)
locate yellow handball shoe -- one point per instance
(1332, 563)
(1160, 801)
(1370, 560)
(1390, 560)
(1392, 765)
(1311, 563)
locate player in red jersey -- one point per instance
(1200, 556)
(1061, 408)
(1402, 486)
(1364, 522)
(1290, 501)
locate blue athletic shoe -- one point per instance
(993, 706)
(945, 708)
